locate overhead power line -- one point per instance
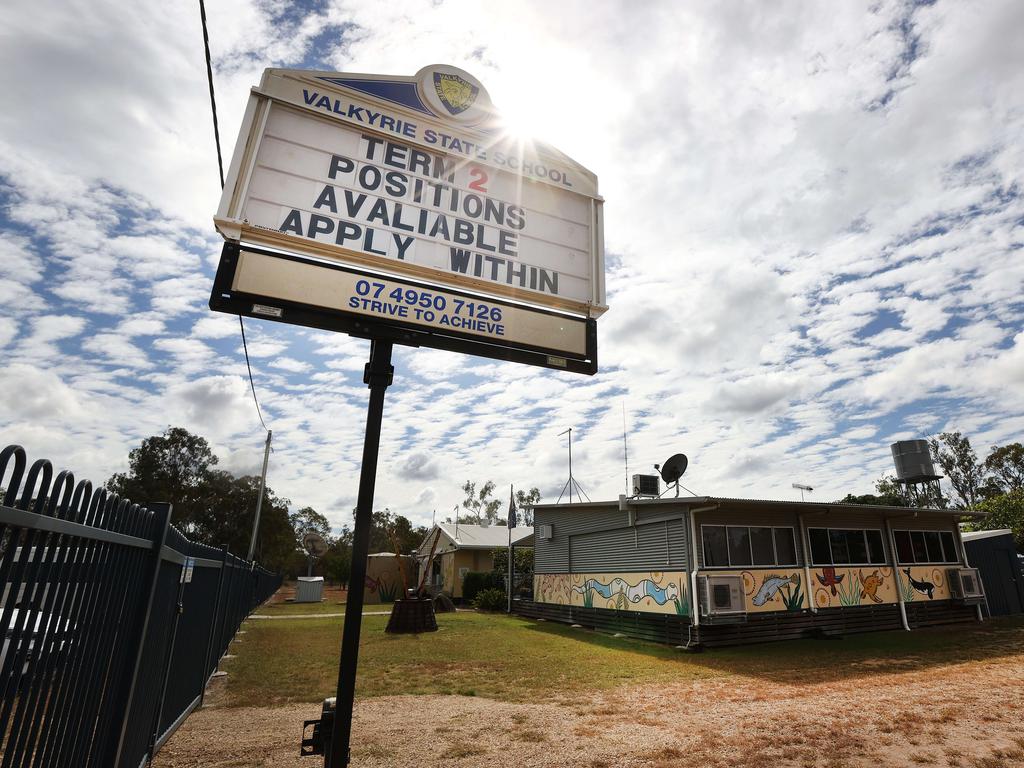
(220, 167)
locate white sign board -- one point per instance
(318, 285)
(413, 176)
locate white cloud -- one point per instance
(813, 240)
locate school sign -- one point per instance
(369, 204)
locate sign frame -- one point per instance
(281, 88)
(225, 299)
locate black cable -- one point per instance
(220, 167)
(213, 99)
(251, 384)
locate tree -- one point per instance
(1005, 511)
(888, 493)
(954, 454)
(385, 524)
(1006, 466)
(170, 467)
(523, 555)
(480, 503)
(308, 519)
(525, 502)
(226, 514)
(211, 506)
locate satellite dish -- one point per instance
(673, 469)
(314, 544)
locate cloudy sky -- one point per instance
(814, 225)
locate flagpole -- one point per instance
(511, 550)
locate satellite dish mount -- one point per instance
(315, 547)
(672, 470)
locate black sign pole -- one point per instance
(378, 375)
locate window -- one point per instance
(904, 549)
(761, 546)
(785, 548)
(876, 552)
(846, 546)
(716, 553)
(820, 552)
(926, 547)
(739, 545)
(735, 546)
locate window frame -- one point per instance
(775, 548)
(942, 546)
(867, 547)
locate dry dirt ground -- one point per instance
(964, 715)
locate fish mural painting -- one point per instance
(653, 592)
(771, 586)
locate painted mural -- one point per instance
(384, 577)
(839, 586)
(652, 592)
(770, 589)
(924, 583)
(846, 586)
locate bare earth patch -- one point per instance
(962, 715)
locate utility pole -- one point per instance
(259, 501)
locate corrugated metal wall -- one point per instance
(644, 547)
(595, 539)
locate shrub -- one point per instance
(491, 600)
(477, 581)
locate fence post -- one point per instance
(213, 625)
(162, 521)
(169, 658)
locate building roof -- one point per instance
(479, 536)
(764, 505)
(973, 535)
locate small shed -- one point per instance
(309, 589)
(384, 577)
(994, 554)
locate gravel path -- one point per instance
(964, 715)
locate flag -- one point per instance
(512, 522)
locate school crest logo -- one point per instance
(455, 93)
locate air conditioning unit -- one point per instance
(722, 597)
(965, 585)
(545, 532)
(646, 485)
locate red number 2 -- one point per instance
(479, 179)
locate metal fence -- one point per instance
(112, 621)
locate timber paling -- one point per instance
(758, 628)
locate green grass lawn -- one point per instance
(510, 658)
(297, 609)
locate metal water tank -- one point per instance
(913, 460)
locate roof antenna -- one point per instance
(625, 447)
(802, 489)
(571, 482)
